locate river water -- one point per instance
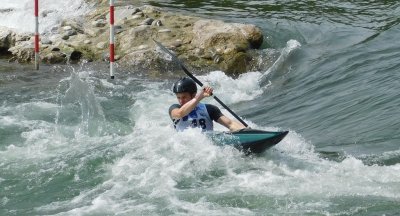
(73, 142)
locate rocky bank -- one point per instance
(203, 44)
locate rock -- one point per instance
(99, 23)
(45, 40)
(23, 37)
(23, 52)
(156, 23)
(236, 64)
(142, 47)
(217, 34)
(93, 32)
(55, 38)
(70, 32)
(164, 30)
(227, 43)
(135, 11)
(148, 9)
(6, 40)
(67, 28)
(204, 44)
(54, 58)
(101, 45)
(137, 16)
(54, 29)
(71, 25)
(139, 31)
(147, 21)
(118, 29)
(176, 43)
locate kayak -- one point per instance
(249, 140)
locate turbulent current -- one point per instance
(73, 142)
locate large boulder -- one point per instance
(23, 52)
(226, 37)
(203, 44)
(227, 43)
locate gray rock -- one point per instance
(137, 31)
(137, 16)
(221, 35)
(118, 29)
(65, 37)
(87, 41)
(23, 37)
(99, 23)
(45, 40)
(135, 11)
(147, 21)
(156, 23)
(70, 32)
(55, 57)
(54, 29)
(5, 38)
(150, 9)
(92, 32)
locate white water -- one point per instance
(19, 14)
(155, 170)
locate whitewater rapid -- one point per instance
(19, 15)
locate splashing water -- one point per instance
(80, 94)
(280, 64)
(51, 13)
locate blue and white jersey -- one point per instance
(199, 117)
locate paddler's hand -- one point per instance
(207, 91)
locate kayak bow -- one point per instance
(249, 140)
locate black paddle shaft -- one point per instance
(197, 81)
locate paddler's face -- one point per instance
(184, 97)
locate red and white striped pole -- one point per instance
(112, 39)
(37, 34)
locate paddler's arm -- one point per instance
(185, 109)
(230, 124)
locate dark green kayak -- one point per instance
(249, 140)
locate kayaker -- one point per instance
(191, 113)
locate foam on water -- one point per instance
(244, 88)
(165, 172)
(51, 13)
(154, 170)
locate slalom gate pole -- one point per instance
(112, 39)
(37, 34)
